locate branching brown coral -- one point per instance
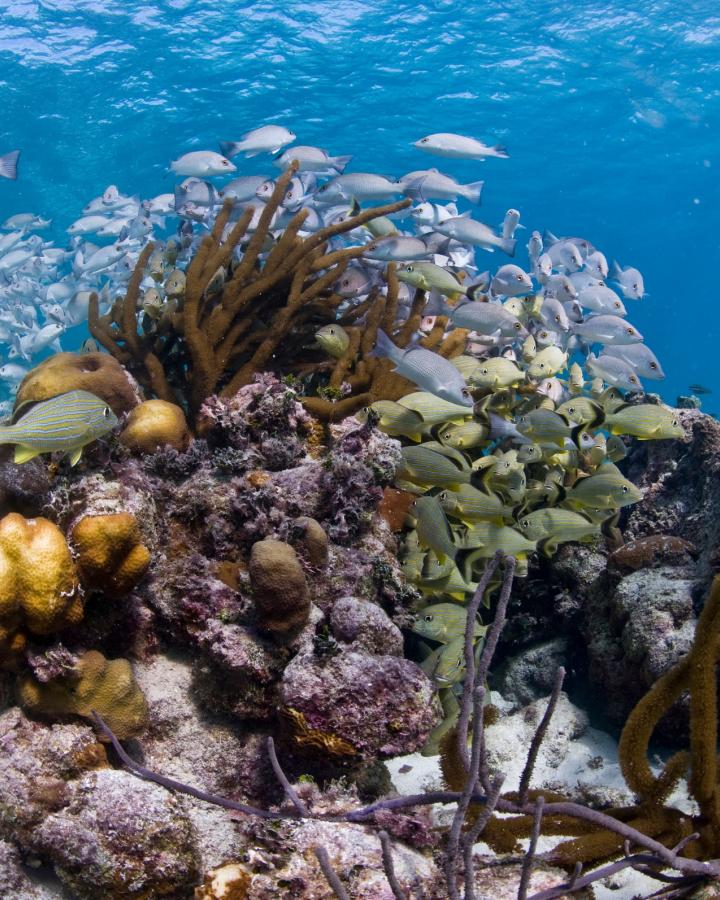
(264, 315)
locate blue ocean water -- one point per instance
(610, 115)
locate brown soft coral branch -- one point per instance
(258, 314)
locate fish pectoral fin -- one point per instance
(75, 455)
(23, 453)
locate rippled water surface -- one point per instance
(610, 116)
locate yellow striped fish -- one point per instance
(444, 622)
(65, 423)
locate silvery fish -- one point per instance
(560, 286)
(630, 281)
(429, 184)
(604, 329)
(202, 163)
(613, 371)
(640, 357)
(64, 423)
(510, 223)
(28, 221)
(242, 188)
(600, 298)
(485, 318)
(470, 231)
(396, 248)
(553, 314)
(361, 185)
(444, 622)
(565, 254)
(266, 139)
(457, 146)
(597, 264)
(510, 281)
(430, 214)
(354, 282)
(426, 369)
(312, 159)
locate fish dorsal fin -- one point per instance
(21, 410)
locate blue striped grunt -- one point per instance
(64, 423)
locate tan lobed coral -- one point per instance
(111, 556)
(39, 588)
(280, 589)
(96, 683)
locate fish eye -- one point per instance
(519, 277)
(675, 422)
(424, 141)
(106, 412)
(484, 371)
(653, 365)
(542, 365)
(630, 330)
(632, 379)
(517, 326)
(428, 618)
(571, 410)
(636, 286)
(624, 489)
(460, 662)
(408, 268)
(557, 318)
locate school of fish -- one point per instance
(510, 446)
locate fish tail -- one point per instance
(501, 151)
(339, 162)
(473, 191)
(8, 164)
(384, 347)
(508, 245)
(228, 148)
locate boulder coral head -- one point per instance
(155, 424)
(111, 556)
(280, 589)
(95, 683)
(39, 588)
(98, 373)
